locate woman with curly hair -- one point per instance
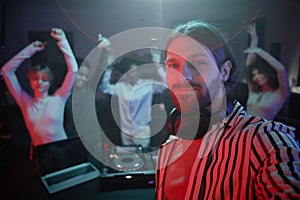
(267, 80)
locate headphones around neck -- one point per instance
(187, 123)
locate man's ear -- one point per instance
(225, 70)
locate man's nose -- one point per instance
(187, 71)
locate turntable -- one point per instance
(128, 162)
(129, 167)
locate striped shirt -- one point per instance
(244, 157)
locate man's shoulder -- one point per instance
(255, 122)
(260, 127)
(241, 120)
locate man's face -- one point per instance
(193, 77)
(82, 76)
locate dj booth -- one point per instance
(130, 175)
(129, 167)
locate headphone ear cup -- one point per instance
(174, 122)
(168, 126)
(171, 122)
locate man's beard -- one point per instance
(191, 102)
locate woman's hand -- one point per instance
(38, 45)
(253, 34)
(58, 34)
(253, 50)
(103, 41)
(155, 54)
(251, 57)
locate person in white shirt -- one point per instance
(135, 96)
(43, 113)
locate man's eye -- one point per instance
(198, 62)
(172, 65)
